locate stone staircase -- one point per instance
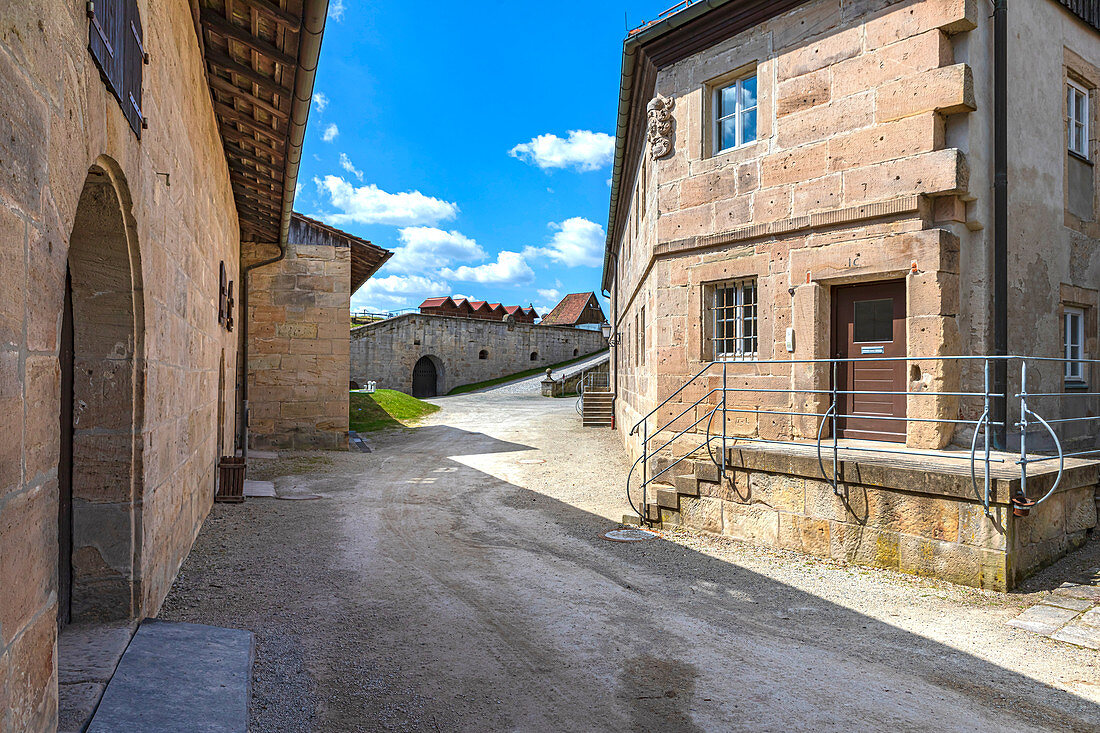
(598, 410)
(663, 495)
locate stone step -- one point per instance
(668, 498)
(632, 520)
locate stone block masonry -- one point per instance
(298, 349)
(461, 350)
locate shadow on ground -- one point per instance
(425, 594)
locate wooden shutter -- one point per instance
(133, 63)
(105, 20)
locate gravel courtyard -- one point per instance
(456, 579)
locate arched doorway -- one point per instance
(425, 378)
(99, 473)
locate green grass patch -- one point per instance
(386, 408)
(512, 377)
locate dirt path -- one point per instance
(449, 581)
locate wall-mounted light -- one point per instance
(613, 339)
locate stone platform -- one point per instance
(917, 513)
(177, 677)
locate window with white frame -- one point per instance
(735, 114)
(734, 321)
(1074, 338)
(1077, 108)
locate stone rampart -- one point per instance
(460, 350)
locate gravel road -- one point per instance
(455, 579)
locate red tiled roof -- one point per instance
(511, 309)
(570, 310)
(478, 304)
(434, 302)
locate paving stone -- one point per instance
(76, 703)
(90, 652)
(1073, 604)
(1073, 590)
(1079, 634)
(180, 677)
(1091, 618)
(1043, 619)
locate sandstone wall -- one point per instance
(907, 519)
(859, 171)
(298, 332)
(58, 121)
(386, 352)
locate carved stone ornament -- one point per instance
(659, 112)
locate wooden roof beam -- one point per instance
(223, 61)
(216, 23)
(230, 88)
(287, 20)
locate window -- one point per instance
(115, 42)
(483, 354)
(534, 356)
(641, 336)
(873, 320)
(735, 114)
(733, 309)
(1077, 108)
(1074, 337)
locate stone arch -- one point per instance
(483, 354)
(427, 377)
(103, 408)
(534, 356)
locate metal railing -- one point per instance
(716, 401)
(598, 381)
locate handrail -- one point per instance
(650, 434)
(669, 398)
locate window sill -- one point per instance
(1077, 156)
(1076, 386)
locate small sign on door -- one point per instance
(872, 349)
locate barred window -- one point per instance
(733, 310)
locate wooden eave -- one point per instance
(250, 51)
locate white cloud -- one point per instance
(346, 164)
(583, 150)
(320, 101)
(509, 269)
(427, 249)
(336, 10)
(330, 133)
(576, 242)
(395, 292)
(550, 294)
(371, 205)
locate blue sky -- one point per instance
(474, 139)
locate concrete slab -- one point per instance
(1067, 602)
(259, 489)
(1091, 618)
(180, 678)
(1043, 619)
(1073, 590)
(1079, 634)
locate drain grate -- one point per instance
(630, 535)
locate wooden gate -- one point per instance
(425, 378)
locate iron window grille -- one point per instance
(735, 114)
(735, 325)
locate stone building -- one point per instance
(428, 355)
(141, 143)
(812, 180)
(580, 310)
(298, 334)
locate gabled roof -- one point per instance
(436, 302)
(531, 312)
(570, 311)
(512, 309)
(479, 305)
(366, 257)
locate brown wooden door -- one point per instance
(869, 326)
